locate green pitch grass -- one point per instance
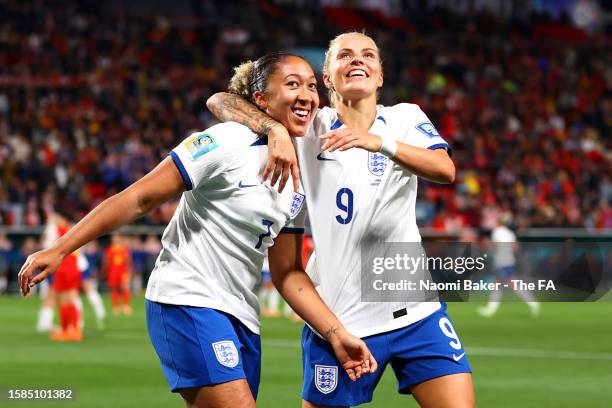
(561, 359)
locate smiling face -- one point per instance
(353, 69)
(291, 96)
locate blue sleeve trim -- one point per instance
(181, 168)
(442, 146)
(262, 141)
(336, 125)
(291, 230)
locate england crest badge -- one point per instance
(226, 353)
(326, 378)
(377, 163)
(296, 204)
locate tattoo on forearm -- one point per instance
(331, 331)
(237, 109)
(267, 126)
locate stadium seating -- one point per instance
(93, 96)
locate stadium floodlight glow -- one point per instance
(586, 14)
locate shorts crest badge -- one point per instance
(226, 353)
(326, 378)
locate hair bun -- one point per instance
(241, 81)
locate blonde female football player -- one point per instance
(359, 164)
(202, 313)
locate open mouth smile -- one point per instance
(303, 114)
(357, 72)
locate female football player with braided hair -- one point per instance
(202, 312)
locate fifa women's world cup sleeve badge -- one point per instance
(428, 129)
(198, 144)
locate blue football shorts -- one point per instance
(424, 350)
(86, 274)
(198, 346)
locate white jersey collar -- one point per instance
(338, 123)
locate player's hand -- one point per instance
(281, 159)
(347, 138)
(46, 262)
(353, 354)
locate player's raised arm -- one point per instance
(281, 154)
(415, 144)
(296, 287)
(433, 165)
(159, 185)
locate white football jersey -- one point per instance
(356, 197)
(215, 244)
(504, 250)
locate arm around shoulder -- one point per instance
(282, 161)
(228, 107)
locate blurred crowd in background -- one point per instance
(143, 252)
(93, 96)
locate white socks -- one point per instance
(45, 319)
(78, 303)
(95, 300)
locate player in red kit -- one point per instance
(117, 265)
(66, 283)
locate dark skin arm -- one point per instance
(296, 287)
(282, 161)
(155, 188)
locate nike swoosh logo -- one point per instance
(459, 357)
(246, 185)
(320, 157)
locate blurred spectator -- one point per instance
(92, 97)
(6, 247)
